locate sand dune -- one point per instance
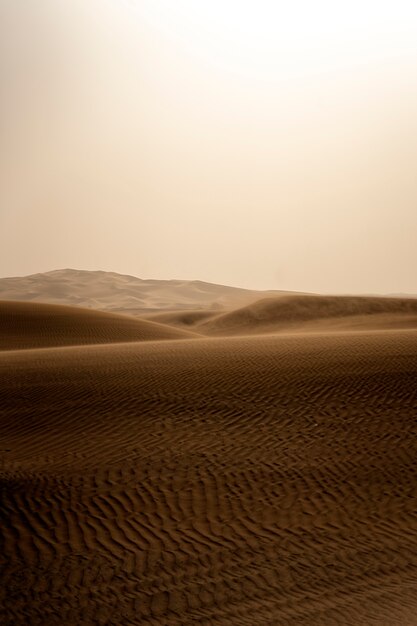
(267, 480)
(109, 291)
(34, 325)
(313, 313)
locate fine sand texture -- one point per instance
(262, 480)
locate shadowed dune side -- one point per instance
(314, 313)
(243, 481)
(34, 325)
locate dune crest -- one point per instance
(314, 313)
(34, 325)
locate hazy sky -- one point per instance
(264, 144)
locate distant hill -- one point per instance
(109, 291)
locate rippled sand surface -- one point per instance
(266, 480)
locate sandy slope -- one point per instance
(267, 480)
(35, 325)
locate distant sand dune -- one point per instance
(258, 481)
(35, 325)
(109, 291)
(314, 313)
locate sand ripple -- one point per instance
(263, 480)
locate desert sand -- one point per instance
(157, 476)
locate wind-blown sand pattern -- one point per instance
(311, 312)
(265, 480)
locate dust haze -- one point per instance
(131, 145)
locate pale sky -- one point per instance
(257, 143)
